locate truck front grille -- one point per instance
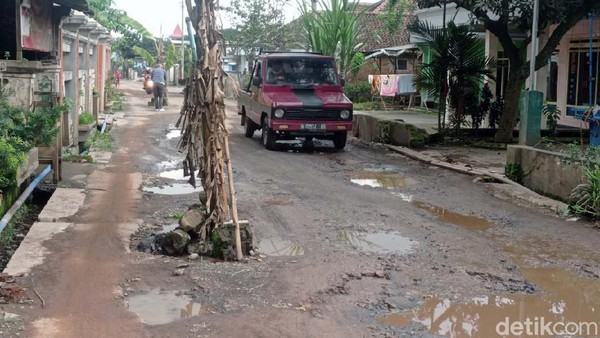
(312, 114)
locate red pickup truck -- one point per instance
(295, 94)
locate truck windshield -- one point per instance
(301, 72)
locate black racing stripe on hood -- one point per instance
(308, 98)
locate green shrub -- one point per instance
(358, 92)
(11, 158)
(585, 198)
(86, 118)
(552, 114)
(102, 142)
(513, 172)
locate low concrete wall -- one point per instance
(398, 133)
(545, 171)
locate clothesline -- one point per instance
(392, 84)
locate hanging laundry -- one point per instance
(375, 81)
(405, 84)
(389, 85)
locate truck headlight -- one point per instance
(278, 113)
(345, 114)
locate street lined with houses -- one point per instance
(363, 242)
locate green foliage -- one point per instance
(357, 62)
(102, 142)
(257, 24)
(395, 14)
(585, 198)
(496, 110)
(552, 114)
(145, 55)
(502, 18)
(172, 57)
(334, 30)
(41, 128)
(384, 134)
(358, 92)
(482, 110)
(458, 64)
(7, 237)
(11, 158)
(513, 172)
(86, 118)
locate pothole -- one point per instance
(279, 247)
(447, 216)
(176, 174)
(379, 242)
(377, 179)
(173, 134)
(161, 307)
(174, 189)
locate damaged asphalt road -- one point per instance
(358, 243)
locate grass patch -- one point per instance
(177, 214)
(102, 142)
(7, 236)
(86, 118)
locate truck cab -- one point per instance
(293, 95)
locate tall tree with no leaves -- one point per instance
(205, 138)
(501, 17)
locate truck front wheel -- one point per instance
(268, 136)
(339, 140)
(249, 127)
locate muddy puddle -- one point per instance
(565, 298)
(279, 247)
(377, 179)
(175, 189)
(378, 242)
(161, 307)
(447, 216)
(176, 174)
(173, 134)
(167, 228)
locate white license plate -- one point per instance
(313, 126)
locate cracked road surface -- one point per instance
(357, 243)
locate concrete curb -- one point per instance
(521, 192)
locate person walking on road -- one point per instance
(159, 78)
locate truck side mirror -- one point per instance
(256, 81)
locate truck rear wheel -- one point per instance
(249, 127)
(339, 140)
(268, 136)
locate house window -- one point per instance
(401, 64)
(580, 84)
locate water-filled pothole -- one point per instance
(566, 298)
(447, 216)
(377, 179)
(173, 134)
(279, 247)
(174, 189)
(378, 242)
(176, 174)
(161, 307)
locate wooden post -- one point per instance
(234, 214)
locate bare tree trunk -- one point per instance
(203, 117)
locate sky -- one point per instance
(161, 16)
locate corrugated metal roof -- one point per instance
(80, 5)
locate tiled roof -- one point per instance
(377, 35)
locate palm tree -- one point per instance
(458, 66)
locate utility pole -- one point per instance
(534, 42)
(182, 66)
